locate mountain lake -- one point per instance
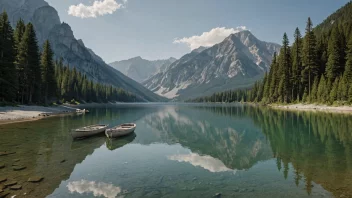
(181, 150)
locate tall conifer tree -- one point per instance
(8, 75)
(48, 72)
(309, 60)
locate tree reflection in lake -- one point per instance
(185, 150)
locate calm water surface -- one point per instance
(184, 151)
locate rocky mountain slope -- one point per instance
(236, 62)
(140, 69)
(48, 26)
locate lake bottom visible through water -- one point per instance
(181, 150)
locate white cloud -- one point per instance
(98, 8)
(207, 39)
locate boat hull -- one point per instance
(115, 133)
(82, 134)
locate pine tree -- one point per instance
(309, 60)
(322, 56)
(334, 67)
(48, 72)
(350, 94)
(266, 83)
(274, 79)
(19, 31)
(333, 93)
(296, 64)
(348, 67)
(285, 70)
(313, 95)
(8, 75)
(321, 90)
(28, 61)
(18, 35)
(342, 91)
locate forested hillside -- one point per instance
(28, 76)
(314, 69)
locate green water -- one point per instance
(184, 151)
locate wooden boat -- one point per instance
(89, 130)
(121, 130)
(80, 111)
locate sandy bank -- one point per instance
(314, 107)
(29, 113)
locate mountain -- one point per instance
(74, 53)
(236, 62)
(140, 69)
(341, 18)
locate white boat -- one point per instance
(89, 130)
(80, 111)
(121, 130)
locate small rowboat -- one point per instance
(121, 130)
(89, 131)
(81, 111)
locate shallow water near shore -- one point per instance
(181, 150)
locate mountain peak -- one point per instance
(199, 49)
(238, 61)
(136, 58)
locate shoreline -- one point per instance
(313, 108)
(24, 113)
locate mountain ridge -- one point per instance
(47, 24)
(237, 62)
(140, 69)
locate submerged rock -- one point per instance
(16, 187)
(35, 179)
(4, 194)
(2, 179)
(18, 168)
(2, 165)
(6, 153)
(10, 183)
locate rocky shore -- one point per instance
(314, 107)
(23, 113)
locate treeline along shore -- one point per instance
(315, 69)
(31, 76)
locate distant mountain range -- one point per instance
(140, 69)
(74, 53)
(236, 62)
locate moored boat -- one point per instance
(120, 130)
(89, 130)
(80, 111)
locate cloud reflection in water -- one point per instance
(97, 188)
(207, 162)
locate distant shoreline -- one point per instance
(24, 113)
(313, 108)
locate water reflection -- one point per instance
(113, 144)
(238, 143)
(207, 162)
(97, 188)
(186, 151)
(318, 145)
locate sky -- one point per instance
(159, 29)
